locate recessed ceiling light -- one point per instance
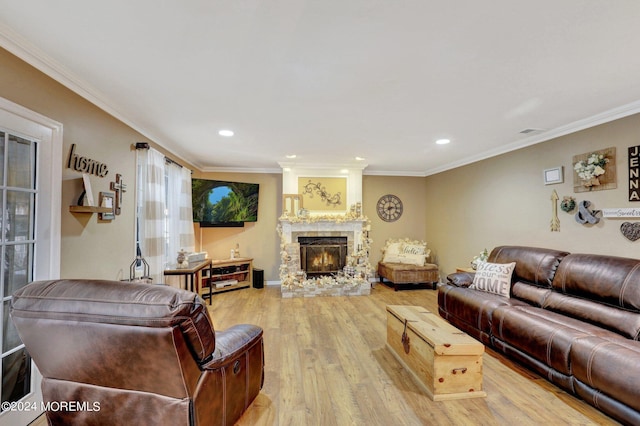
(291, 156)
(359, 159)
(442, 141)
(225, 132)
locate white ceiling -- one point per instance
(329, 80)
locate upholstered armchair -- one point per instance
(126, 353)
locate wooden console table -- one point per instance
(239, 270)
(190, 273)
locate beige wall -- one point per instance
(258, 240)
(412, 222)
(89, 249)
(503, 201)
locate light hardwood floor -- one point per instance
(327, 364)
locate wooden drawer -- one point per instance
(444, 361)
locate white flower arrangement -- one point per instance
(592, 167)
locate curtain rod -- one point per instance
(145, 145)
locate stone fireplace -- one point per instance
(324, 247)
(307, 242)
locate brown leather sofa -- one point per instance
(572, 318)
(125, 353)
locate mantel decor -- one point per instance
(595, 171)
(311, 189)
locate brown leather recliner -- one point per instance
(125, 353)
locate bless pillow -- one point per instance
(494, 278)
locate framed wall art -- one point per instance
(595, 171)
(553, 175)
(106, 200)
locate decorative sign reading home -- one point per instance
(634, 173)
(85, 165)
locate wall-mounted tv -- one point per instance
(222, 203)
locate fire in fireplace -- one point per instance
(322, 255)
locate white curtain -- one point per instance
(151, 219)
(165, 222)
(179, 217)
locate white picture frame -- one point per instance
(553, 175)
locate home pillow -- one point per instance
(493, 278)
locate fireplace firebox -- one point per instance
(322, 255)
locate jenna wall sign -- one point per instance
(634, 173)
(595, 171)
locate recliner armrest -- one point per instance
(232, 342)
(461, 279)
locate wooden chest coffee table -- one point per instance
(444, 361)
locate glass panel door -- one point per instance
(17, 195)
(30, 185)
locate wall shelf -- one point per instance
(89, 209)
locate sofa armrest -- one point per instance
(461, 279)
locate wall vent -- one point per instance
(531, 131)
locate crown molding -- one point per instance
(239, 170)
(576, 126)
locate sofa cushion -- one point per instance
(493, 278)
(599, 289)
(534, 265)
(469, 310)
(626, 323)
(610, 366)
(545, 336)
(605, 279)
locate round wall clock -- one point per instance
(389, 208)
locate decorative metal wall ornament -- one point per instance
(567, 204)
(631, 230)
(555, 221)
(585, 215)
(319, 189)
(120, 188)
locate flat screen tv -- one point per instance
(222, 203)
